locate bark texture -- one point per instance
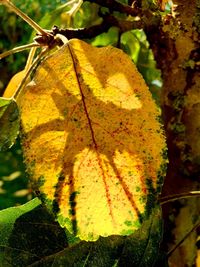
(176, 48)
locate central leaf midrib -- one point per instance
(92, 133)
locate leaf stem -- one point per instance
(167, 199)
(17, 11)
(75, 8)
(69, 3)
(32, 66)
(30, 58)
(18, 49)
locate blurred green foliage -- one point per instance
(14, 185)
(13, 181)
(15, 32)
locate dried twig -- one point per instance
(167, 199)
(108, 21)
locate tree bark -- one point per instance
(176, 48)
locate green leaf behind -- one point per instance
(28, 233)
(30, 237)
(9, 123)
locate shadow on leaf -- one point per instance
(92, 140)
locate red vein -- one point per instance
(107, 83)
(120, 143)
(93, 136)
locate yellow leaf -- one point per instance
(92, 140)
(14, 83)
(17, 79)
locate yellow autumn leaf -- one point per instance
(14, 84)
(92, 140)
(17, 79)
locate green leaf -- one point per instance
(86, 16)
(107, 38)
(9, 123)
(28, 233)
(29, 236)
(136, 45)
(10, 215)
(141, 249)
(162, 260)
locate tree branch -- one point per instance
(91, 32)
(171, 198)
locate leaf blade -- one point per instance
(95, 176)
(9, 122)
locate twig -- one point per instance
(18, 49)
(30, 58)
(167, 199)
(75, 8)
(108, 21)
(31, 68)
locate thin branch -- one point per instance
(117, 6)
(75, 8)
(167, 199)
(30, 58)
(31, 68)
(18, 49)
(183, 239)
(69, 3)
(91, 32)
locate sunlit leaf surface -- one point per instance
(9, 122)
(92, 140)
(14, 84)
